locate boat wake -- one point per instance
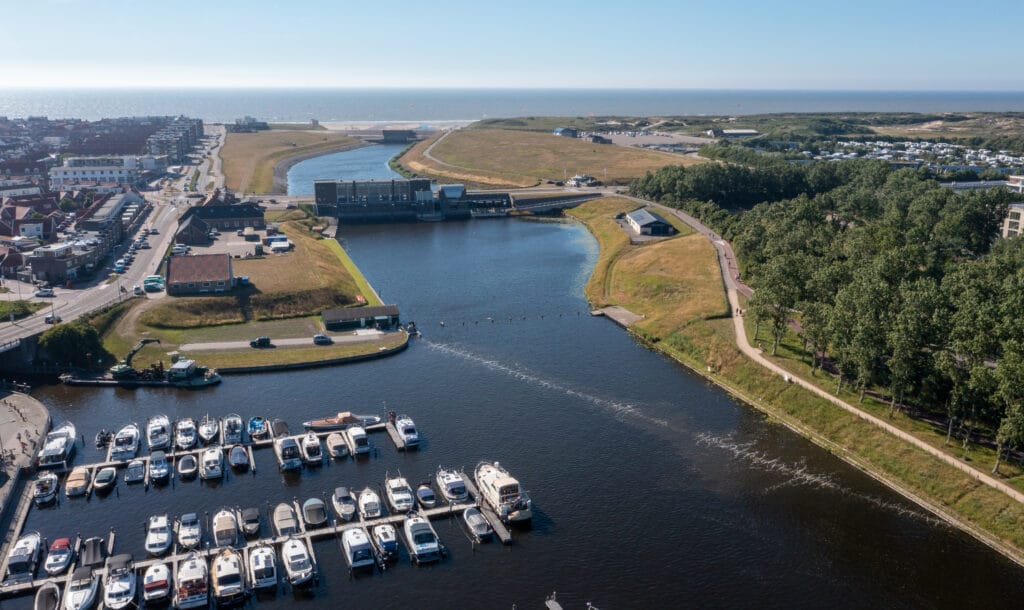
(619, 409)
(800, 474)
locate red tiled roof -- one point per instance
(198, 268)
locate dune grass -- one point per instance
(248, 159)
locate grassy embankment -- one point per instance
(286, 296)
(683, 321)
(20, 309)
(249, 158)
(501, 158)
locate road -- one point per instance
(362, 336)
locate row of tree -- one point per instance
(896, 282)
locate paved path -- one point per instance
(733, 285)
(363, 336)
(23, 422)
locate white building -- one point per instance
(118, 169)
(1012, 225)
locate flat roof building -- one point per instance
(1012, 224)
(383, 316)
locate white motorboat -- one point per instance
(358, 552)
(358, 444)
(312, 452)
(47, 597)
(105, 479)
(344, 503)
(208, 429)
(285, 521)
(249, 521)
(58, 558)
(336, 446)
(188, 466)
(342, 420)
(24, 556)
(424, 545)
(158, 535)
(288, 456)
(45, 488)
(185, 433)
(77, 482)
(211, 466)
(82, 590)
(262, 567)
(225, 528)
(399, 494)
(119, 584)
(135, 472)
(297, 564)
(425, 495)
(228, 585)
(477, 524)
(58, 447)
(314, 513)
(231, 426)
(190, 530)
(158, 432)
(126, 443)
(502, 492)
(451, 485)
(159, 467)
(385, 540)
(191, 590)
(156, 583)
(407, 430)
(369, 504)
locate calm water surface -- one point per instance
(651, 488)
(367, 163)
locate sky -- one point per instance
(681, 44)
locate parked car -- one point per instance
(138, 290)
(45, 292)
(53, 319)
(261, 342)
(321, 339)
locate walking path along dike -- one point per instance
(24, 422)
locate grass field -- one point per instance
(20, 309)
(703, 338)
(508, 158)
(249, 158)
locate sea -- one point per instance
(429, 106)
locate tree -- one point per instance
(67, 204)
(911, 335)
(75, 343)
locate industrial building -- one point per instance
(384, 317)
(353, 201)
(645, 222)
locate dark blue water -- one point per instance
(429, 105)
(370, 162)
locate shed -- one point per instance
(383, 317)
(645, 222)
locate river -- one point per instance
(652, 488)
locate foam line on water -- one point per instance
(617, 408)
(799, 474)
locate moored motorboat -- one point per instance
(225, 528)
(262, 567)
(208, 428)
(135, 472)
(312, 453)
(126, 443)
(369, 504)
(58, 447)
(358, 552)
(477, 524)
(407, 430)
(502, 492)
(47, 597)
(190, 530)
(158, 432)
(158, 535)
(344, 503)
(191, 590)
(228, 585)
(385, 540)
(424, 546)
(399, 494)
(185, 433)
(285, 521)
(159, 467)
(77, 482)
(156, 583)
(211, 466)
(105, 479)
(358, 443)
(288, 455)
(451, 485)
(231, 426)
(425, 495)
(238, 457)
(23, 557)
(93, 552)
(249, 521)
(188, 466)
(45, 488)
(82, 589)
(314, 512)
(119, 584)
(336, 445)
(340, 421)
(103, 438)
(259, 428)
(298, 566)
(59, 556)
